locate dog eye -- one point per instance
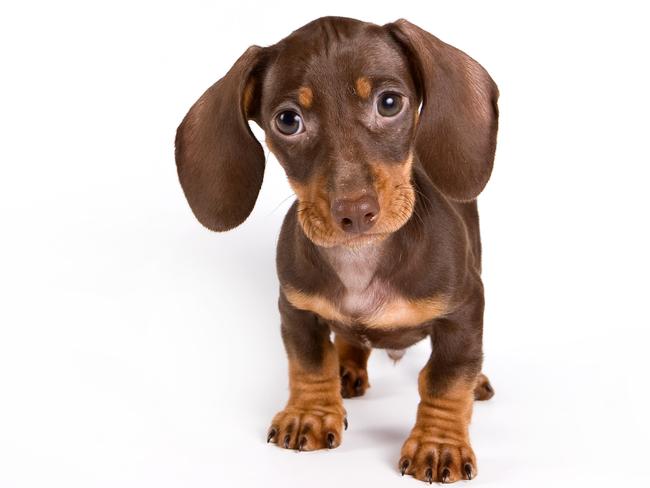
(289, 123)
(389, 104)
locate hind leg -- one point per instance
(353, 362)
(483, 389)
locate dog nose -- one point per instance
(355, 215)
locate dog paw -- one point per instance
(354, 379)
(483, 389)
(430, 461)
(308, 429)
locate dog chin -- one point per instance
(364, 240)
(356, 241)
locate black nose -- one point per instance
(355, 215)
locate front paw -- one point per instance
(308, 428)
(432, 460)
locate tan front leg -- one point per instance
(313, 417)
(438, 448)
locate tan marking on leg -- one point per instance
(305, 97)
(363, 87)
(438, 448)
(353, 360)
(314, 416)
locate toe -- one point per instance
(354, 380)
(483, 390)
(404, 464)
(430, 461)
(306, 430)
(271, 434)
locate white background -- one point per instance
(139, 349)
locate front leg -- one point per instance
(438, 448)
(314, 416)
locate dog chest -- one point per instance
(363, 292)
(366, 299)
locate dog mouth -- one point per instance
(329, 219)
(328, 229)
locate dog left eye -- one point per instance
(289, 123)
(389, 104)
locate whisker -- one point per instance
(280, 204)
(425, 198)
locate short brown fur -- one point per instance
(414, 269)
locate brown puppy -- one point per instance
(387, 136)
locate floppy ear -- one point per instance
(220, 163)
(456, 136)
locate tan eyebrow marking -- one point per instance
(363, 87)
(305, 97)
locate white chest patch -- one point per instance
(364, 293)
(367, 299)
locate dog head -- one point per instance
(347, 108)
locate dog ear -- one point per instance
(456, 135)
(220, 163)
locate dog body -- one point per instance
(387, 294)
(387, 135)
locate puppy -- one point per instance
(387, 135)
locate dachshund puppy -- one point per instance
(387, 135)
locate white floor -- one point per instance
(159, 363)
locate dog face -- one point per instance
(341, 121)
(339, 103)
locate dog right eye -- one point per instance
(289, 123)
(389, 104)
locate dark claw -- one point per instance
(429, 475)
(345, 423)
(270, 435)
(344, 386)
(330, 440)
(357, 385)
(404, 465)
(287, 438)
(445, 475)
(302, 443)
(488, 388)
(468, 471)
